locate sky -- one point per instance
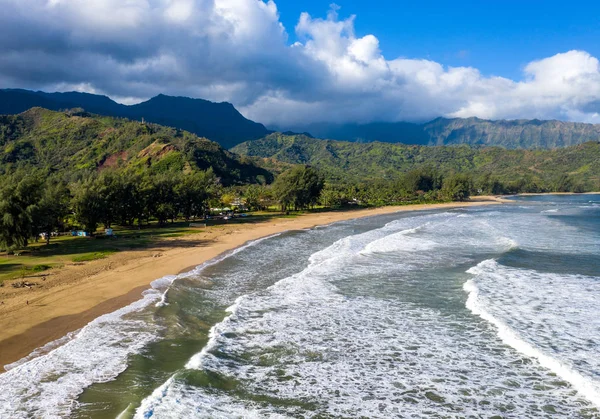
(497, 37)
(288, 63)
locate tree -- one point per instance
(192, 193)
(52, 208)
(457, 187)
(162, 201)
(331, 196)
(18, 204)
(253, 196)
(489, 184)
(298, 187)
(423, 179)
(88, 204)
(109, 187)
(131, 198)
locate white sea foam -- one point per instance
(365, 327)
(48, 385)
(313, 340)
(47, 382)
(43, 350)
(197, 360)
(400, 242)
(540, 306)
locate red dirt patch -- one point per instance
(113, 160)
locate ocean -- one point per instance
(478, 312)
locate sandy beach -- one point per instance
(74, 295)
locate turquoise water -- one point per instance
(481, 312)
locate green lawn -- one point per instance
(39, 257)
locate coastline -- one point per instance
(556, 193)
(75, 295)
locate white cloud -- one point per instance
(238, 50)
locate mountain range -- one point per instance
(343, 161)
(222, 123)
(522, 133)
(74, 142)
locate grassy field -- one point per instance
(39, 257)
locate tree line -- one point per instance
(33, 203)
(303, 187)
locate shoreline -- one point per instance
(75, 295)
(554, 193)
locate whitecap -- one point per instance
(516, 300)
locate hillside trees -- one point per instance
(52, 207)
(193, 191)
(298, 188)
(19, 196)
(512, 170)
(423, 179)
(88, 204)
(457, 187)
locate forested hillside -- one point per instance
(65, 170)
(74, 142)
(219, 122)
(571, 168)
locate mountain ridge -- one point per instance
(219, 122)
(511, 134)
(340, 160)
(80, 142)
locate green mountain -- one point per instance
(219, 122)
(222, 123)
(71, 142)
(520, 133)
(343, 161)
(532, 134)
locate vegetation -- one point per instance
(528, 134)
(38, 258)
(220, 122)
(87, 257)
(63, 171)
(492, 169)
(298, 188)
(75, 143)
(34, 203)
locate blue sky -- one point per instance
(497, 37)
(290, 63)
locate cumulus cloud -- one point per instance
(238, 50)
